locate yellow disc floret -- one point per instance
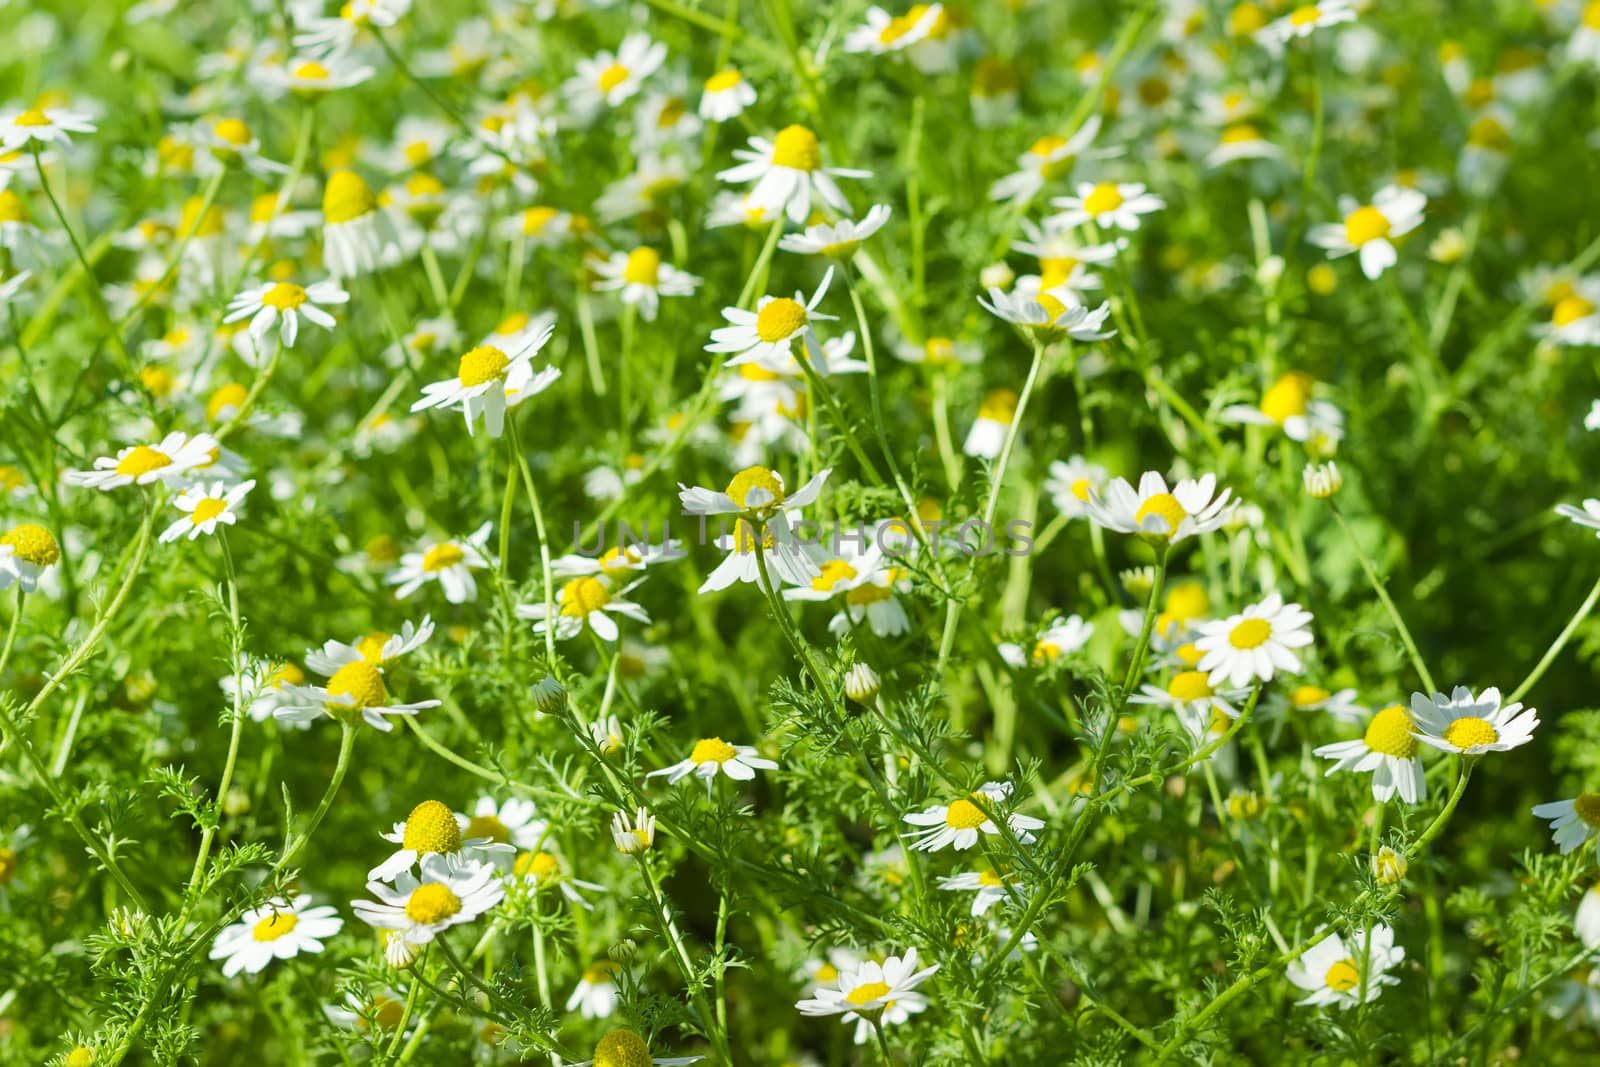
(347, 196)
(797, 148)
(780, 319)
(643, 267)
(581, 596)
(1166, 506)
(1389, 732)
(361, 682)
(755, 478)
(141, 460)
(33, 544)
(622, 1048)
(432, 827)
(1365, 224)
(432, 903)
(1343, 976)
(442, 556)
(712, 750)
(275, 926)
(482, 365)
(1251, 633)
(965, 815)
(1470, 732)
(1102, 198)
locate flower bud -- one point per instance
(861, 685)
(623, 951)
(549, 696)
(398, 951)
(1323, 480)
(997, 276)
(1388, 866)
(1270, 272)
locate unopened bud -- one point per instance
(623, 951)
(1323, 480)
(398, 951)
(549, 696)
(1388, 866)
(861, 685)
(997, 276)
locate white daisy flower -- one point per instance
(595, 995)
(989, 887)
(232, 142)
(885, 33)
(42, 126)
(987, 436)
(633, 835)
(1342, 705)
(333, 36)
(377, 647)
(1334, 971)
(283, 304)
(1369, 229)
(26, 551)
(786, 171)
(355, 684)
(278, 930)
(643, 279)
(757, 495)
(586, 602)
(959, 823)
(882, 993)
(766, 334)
(1471, 725)
(1306, 19)
(1064, 260)
(1574, 822)
(420, 909)
(1574, 320)
(1189, 508)
(1109, 205)
(488, 381)
(1202, 710)
(838, 240)
(448, 562)
(204, 508)
(1051, 156)
(313, 77)
(1256, 643)
(1240, 142)
(712, 756)
(624, 1048)
(606, 79)
(1072, 482)
(1288, 404)
(867, 585)
(432, 829)
(940, 352)
(266, 685)
(725, 95)
(1062, 638)
(357, 238)
(543, 870)
(1050, 314)
(166, 461)
(1389, 750)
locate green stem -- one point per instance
(1383, 595)
(1555, 649)
(347, 741)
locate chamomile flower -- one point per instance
(607, 79)
(1389, 750)
(787, 172)
(586, 603)
(1187, 509)
(1369, 229)
(1575, 318)
(1347, 973)
(1050, 314)
(282, 305)
(989, 430)
(33, 127)
(867, 587)
(206, 507)
(635, 834)
(356, 236)
(27, 550)
(265, 685)
(1109, 205)
(1470, 725)
(1574, 822)
(712, 756)
(1070, 484)
(940, 352)
(765, 335)
(278, 930)
(1586, 920)
(1256, 643)
(376, 648)
(543, 870)
(488, 381)
(1241, 142)
(873, 994)
(595, 995)
(989, 888)
(1192, 697)
(754, 491)
(837, 240)
(168, 460)
(1051, 156)
(355, 687)
(1342, 705)
(725, 95)
(885, 33)
(432, 829)
(419, 909)
(233, 143)
(313, 77)
(332, 36)
(449, 562)
(643, 279)
(624, 1048)
(1062, 637)
(1584, 44)
(1289, 405)
(1306, 19)
(960, 823)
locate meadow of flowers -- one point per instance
(789, 532)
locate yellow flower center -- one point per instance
(440, 557)
(965, 815)
(232, 131)
(582, 595)
(1167, 507)
(1189, 685)
(432, 827)
(431, 903)
(1570, 309)
(285, 296)
(275, 926)
(867, 992)
(1305, 696)
(1479, 92)
(755, 478)
(1244, 133)
(311, 70)
(361, 682)
(32, 117)
(1044, 652)
(1251, 633)
(990, 878)
(82, 1056)
(1290, 394)
(1343, 976)
(644, 267)
(612, 77)
(1470, 731)
(723, 80)
(870, 593)
(1591, 15)
(1304, 16)
(543, 866)
(1000, 405)
(1486, 132)
(1081, 487)
(482, 365)
(11, 207)
(33, 544)
(622, 1048)
(603, 971)
(1389, 732)
(142, 460)
(158, 380)
(1246, 19)
(488, 826)
(780, 319)
(228, 396)
(1587, 805)
(208, 508)
(347, 197)
(8, 864)
(833, 572)
(1047, 145)
(1103, 198)
(797, 148)
(285, 674)
(712, 750)
(1365, 224)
